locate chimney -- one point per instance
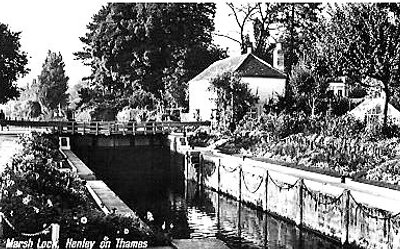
(249, 48)
(278, 57)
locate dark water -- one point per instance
(151, 179)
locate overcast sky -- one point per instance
(57, 25)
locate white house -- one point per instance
(339, 88)
(264, 80)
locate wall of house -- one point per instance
(265, 87)
(202, 99)
(338, 88)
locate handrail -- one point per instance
(106, 127)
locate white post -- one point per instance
(55, 235)
(64, 143)
(1, 225)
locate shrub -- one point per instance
(36, 193)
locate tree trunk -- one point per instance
(386, 107)
(312, 107)
(288, 89)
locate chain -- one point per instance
(247, 187)
(362, 208)
(44, 231)
(229, 170)
(317, 199)
(287, 185)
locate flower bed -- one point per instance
(36, 193)
(341, 145)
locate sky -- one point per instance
(57, 25)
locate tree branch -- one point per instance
(228, 37)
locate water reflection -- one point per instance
(151, 179)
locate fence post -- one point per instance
(133, 128)
(1, 225)
(154, 128)
(187, 165)
(219, 176)
(84, 126)
(201, 170)
(266, 191)
(240, 204)
(240, 182)
(55, 235)
(345, 216)
(73, 127)
(299, 218)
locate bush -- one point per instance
(342, 145)
(37, 193)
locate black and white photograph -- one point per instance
(210, 125)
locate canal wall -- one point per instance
(350, 212)
(79, 140)
(103, 196)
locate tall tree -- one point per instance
(309, 82)
(258, 17)
(53, 82)
(13, 63)
(366, 43)
(298, 21)
(152, 47)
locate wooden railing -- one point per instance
(106, 128)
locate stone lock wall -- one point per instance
(327, 209)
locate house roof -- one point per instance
(369, 105)
(248, 65)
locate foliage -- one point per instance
(363, 40)
(294, 19)
(143, 99)
(308, 82)
(12, 64)
(137, 115)
(53, 82)
(35, 192)
(75, 100)
(299, 21)
(147, 47)
(357, 92)
(35, 109)
(233, 99)
(339, 145)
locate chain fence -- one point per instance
(46, 230)
(258, 185)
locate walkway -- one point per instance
(105, 128)
(208, 243)
(78, 166)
